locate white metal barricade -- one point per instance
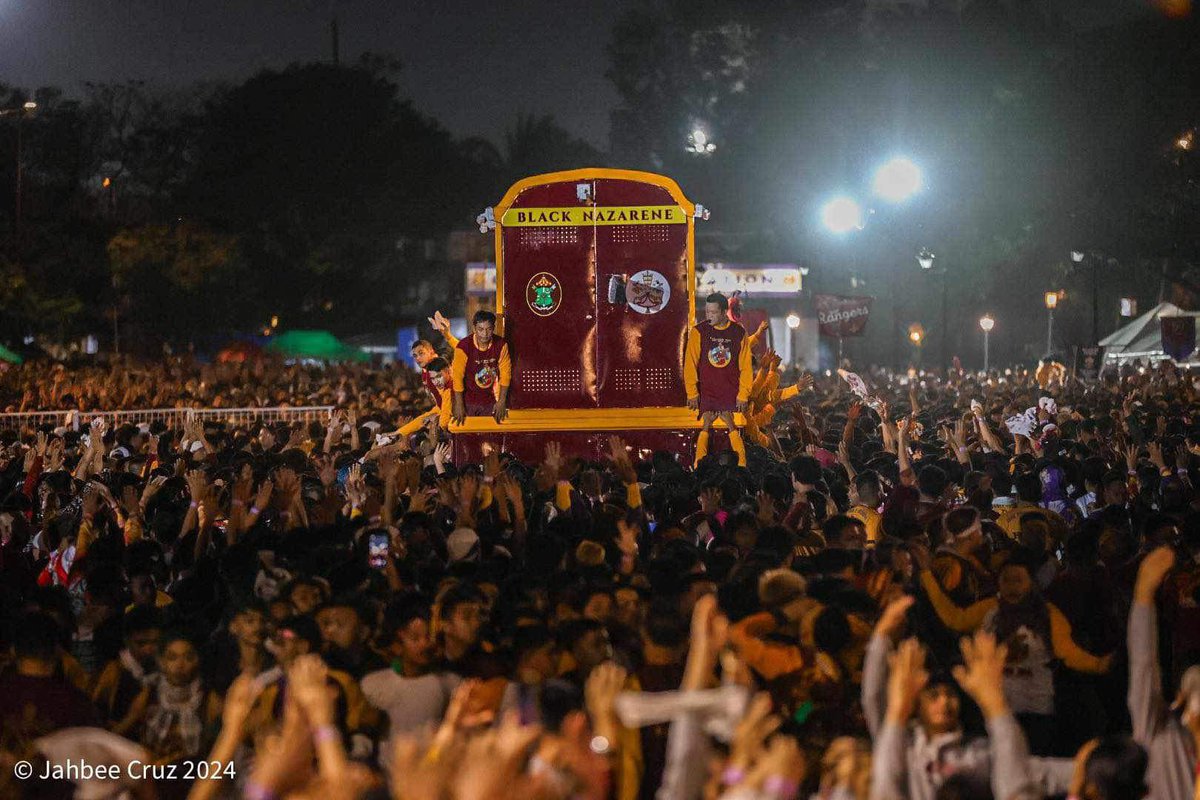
(173, 417)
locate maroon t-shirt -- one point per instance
(483, 370)
(32, 707)
(718, 373)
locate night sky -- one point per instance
(472, 65)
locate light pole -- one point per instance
(926, 259)
(1078, 256)
(1051, 304)
(28, 107)
(793, 323)
(986, 323)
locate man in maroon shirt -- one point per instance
(717, 373)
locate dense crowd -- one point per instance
(945, 586)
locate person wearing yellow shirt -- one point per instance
(481, 372)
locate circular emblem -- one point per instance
(485, 377)
(543, 294)
(719, 355)
(648, 292)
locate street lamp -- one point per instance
(1051, 304)
(699, 143)
(897, 180)
(793, 321)
(1078, 256)
(842, 215)
(986, 323)
(925, 258)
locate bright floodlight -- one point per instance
(925, 259)
(987, 323)
(841, 215)
(30, 105)
(1077, 256)
(1051, 300)
(897, 180)
(793, 321)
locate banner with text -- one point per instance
(842, 315)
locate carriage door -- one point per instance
(642, 304)
(548, 275)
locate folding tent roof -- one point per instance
(316, 345)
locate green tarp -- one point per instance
(9, 356)
(317, 345)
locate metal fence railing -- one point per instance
(172, 416)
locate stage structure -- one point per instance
(595, 290)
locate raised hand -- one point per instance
(54, 459)
(197, 483)
(622, 463)
(554, 460)
(327, 471)
(981, 675)
(710, 500)
(441, 455)
(893, 616)
(356, 487)
(600, 694)
(439, 323)
(906, 678)
(750, 735)
(263, 496)
(307, 686)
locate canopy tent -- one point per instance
(9, 356)
(315, 345)
(1141, 338)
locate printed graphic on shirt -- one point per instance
(543, 294)
(486, 377)
(648, 292)
(719, 355)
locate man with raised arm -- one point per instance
(913, 716)
(481, 372)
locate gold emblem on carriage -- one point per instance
(543, 294)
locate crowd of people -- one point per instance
(891, 594)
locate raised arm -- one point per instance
(691, 377)
(1146, 707)
(981, 675)
(1074, 656)
(959, 620)
(875, 664)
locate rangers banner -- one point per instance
(842, 315)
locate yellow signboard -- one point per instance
(594, 215)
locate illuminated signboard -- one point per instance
(480, 279)
(751, 279)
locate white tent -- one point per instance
(1141, 339)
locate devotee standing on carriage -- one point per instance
(717, 373)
